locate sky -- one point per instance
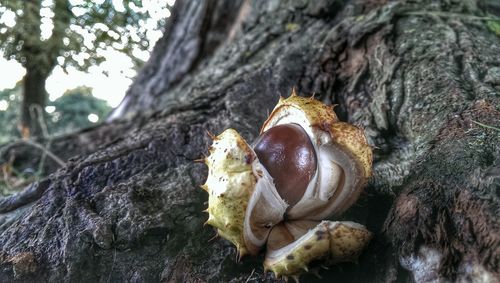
(119, 67)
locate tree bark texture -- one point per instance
(422, 78)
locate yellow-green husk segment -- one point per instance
(329, 240)
(229, 185)
(321, 118)
(306, 111)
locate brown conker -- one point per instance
(287, 153)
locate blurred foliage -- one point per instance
(41, 34)
(494, 26)
(10, 99)
(68, 113)
(80, 30)
(72, 111)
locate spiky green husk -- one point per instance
(229, 185)
(332, 241)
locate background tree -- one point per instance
(421, 77)
(81, 29)
(76, 109)
(72, 111)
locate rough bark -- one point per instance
(193, 33)
(421, 78)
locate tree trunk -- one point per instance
(421, 78)
(33, 102)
